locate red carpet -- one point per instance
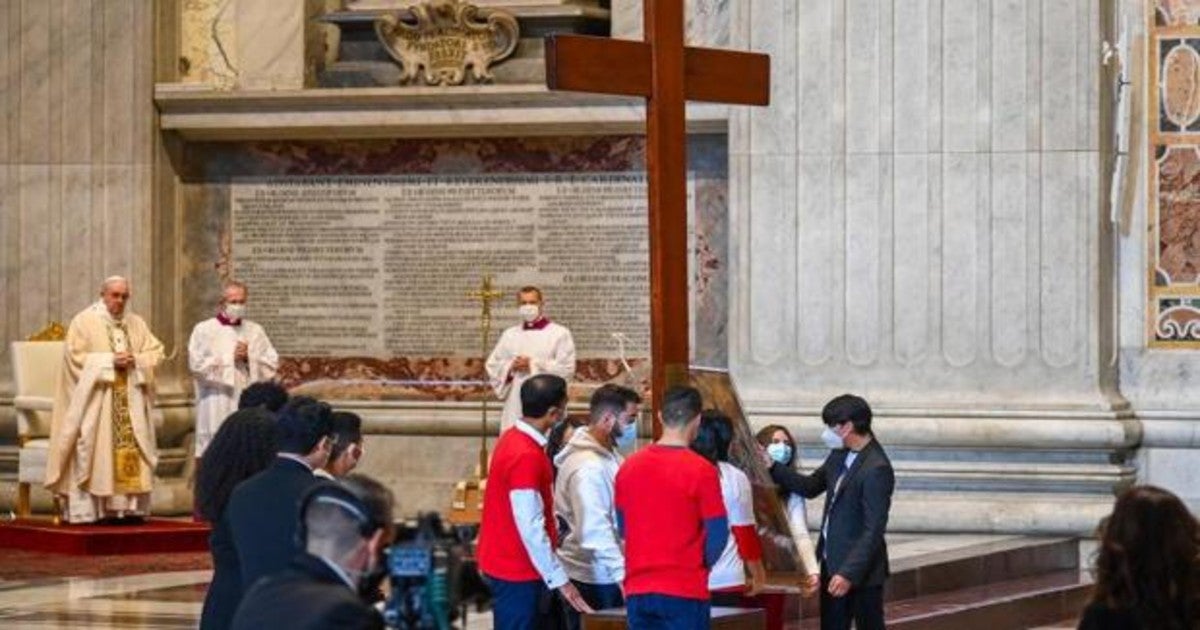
(152, 536)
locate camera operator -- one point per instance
(344, 530)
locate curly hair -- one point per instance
(244, 445)
(1148, 562)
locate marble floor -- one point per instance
(150, 601)
(45, 591)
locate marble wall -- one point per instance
(940, 168)
(208, 168)
(1157, 255)
(77, 130)
(918, 219)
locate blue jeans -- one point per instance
(664, 612)
(598, 596)
(518, 605)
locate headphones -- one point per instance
(346, 499)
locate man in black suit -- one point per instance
(345, 528)
(857, 480)
(263, 509)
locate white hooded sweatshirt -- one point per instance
(590, 545)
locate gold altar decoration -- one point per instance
(437, 40)
(467, 504)
(53, 331)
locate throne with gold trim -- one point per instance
(37, 366)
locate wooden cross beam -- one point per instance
(667, 74)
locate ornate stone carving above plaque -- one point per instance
(440, 39)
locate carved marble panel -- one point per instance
(209, 170)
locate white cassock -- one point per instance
(103, 447)
(219, 379)
(551, 350)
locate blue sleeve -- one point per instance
(716, 534)
(621, 523)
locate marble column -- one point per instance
(918, 220)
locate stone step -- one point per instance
(927, 566)
(1012, 605)
(989, 562)
(1027, 602)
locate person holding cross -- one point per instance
(535, 346)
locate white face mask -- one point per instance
(235, 311)
(831, 439)
(529, 312)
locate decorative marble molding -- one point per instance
(417, 112)
(1173, 308)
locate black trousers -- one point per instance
(862, 605)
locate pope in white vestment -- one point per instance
(103, 449)
(536, 346)
(226, 353)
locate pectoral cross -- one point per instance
(485, 295)
(666, 73)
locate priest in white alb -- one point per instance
(226, 353)
(535, 346)
(102, 436)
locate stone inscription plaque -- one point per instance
(381, 266)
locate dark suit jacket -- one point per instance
(857, 515)
(263, 513)
(308, 595)
(225, 590)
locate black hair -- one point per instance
(609, 398)
(244, 445)
(848, 408)
(303, 421)
(347, 430)
(714, 436)
(268, 394)
(680, 404)
(541, 392)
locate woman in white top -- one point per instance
(780, 446)
(739, 573)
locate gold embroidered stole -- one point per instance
(127, 457)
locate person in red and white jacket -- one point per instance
(739, 572)
(517, 533)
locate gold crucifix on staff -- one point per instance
(485, 294)
(468, 494)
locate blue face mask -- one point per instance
(628, 435)
(780, 452)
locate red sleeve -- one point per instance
(748, 546)
(528, 472)
(708, 491)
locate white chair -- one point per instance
(36, 369)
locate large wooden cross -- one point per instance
(667, 74)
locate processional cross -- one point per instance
(485, 294)
(667, 74)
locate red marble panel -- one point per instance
(1179, 214)
(433, 378)
(1177, 12)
